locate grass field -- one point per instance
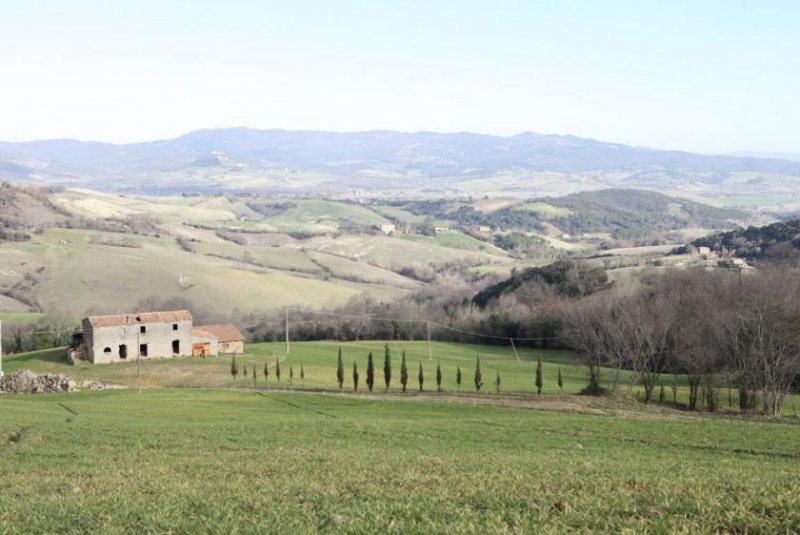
(20, 318)
(277, 460)
(318, 361)
(319, 365)
(225, 461)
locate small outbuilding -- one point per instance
(229, 339)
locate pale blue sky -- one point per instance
(710, 76)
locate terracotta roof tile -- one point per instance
(225, 332)
(141, 317)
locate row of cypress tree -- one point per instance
(387, 374)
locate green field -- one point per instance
(220, 455)
(20, 318)
(224, 461)
(319, 364)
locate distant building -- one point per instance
(152, 335)
(388, 229)
(704, 251)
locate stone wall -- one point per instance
(120, 343)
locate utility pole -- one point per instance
(287, 330)
(430, 350)
(514, 348)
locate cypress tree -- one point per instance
(244, 370)
(291, 375)
(403, 371)
(234, 368)
(370, 372)
(438, 377)
(421, 377)
(497, 382)
(302, 374)
(278, 370)
(255, 374)
(340, 370)
(458, 377)
(539, 376)
(560, 381)
(355, 377)
(266, 372)
(387, 366)
(478, 376)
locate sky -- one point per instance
(701, 75)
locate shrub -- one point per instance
(421, 377)
(497, 383)
(234, 368)
(355, 377)
(458, 378)
(560, 381)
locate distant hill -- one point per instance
(623, 213)
(291, 161)
(630, 213)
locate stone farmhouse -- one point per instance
(122, 337)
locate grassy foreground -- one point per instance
(227, 461)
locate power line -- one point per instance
(422, 322)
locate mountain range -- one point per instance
(284, 161)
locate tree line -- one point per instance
(716, 329)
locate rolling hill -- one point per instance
(422, 163)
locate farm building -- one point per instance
(121, 337)
(226, 336)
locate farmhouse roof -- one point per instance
(224, 332)
(115, 320)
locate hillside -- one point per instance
(620, 213)
(424, 164)
(562, 278)
(631, 213)
(776, 242)
(24, 210)
(105, 252)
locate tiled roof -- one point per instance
(200, 333)
(225, 332)
(141, 317)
